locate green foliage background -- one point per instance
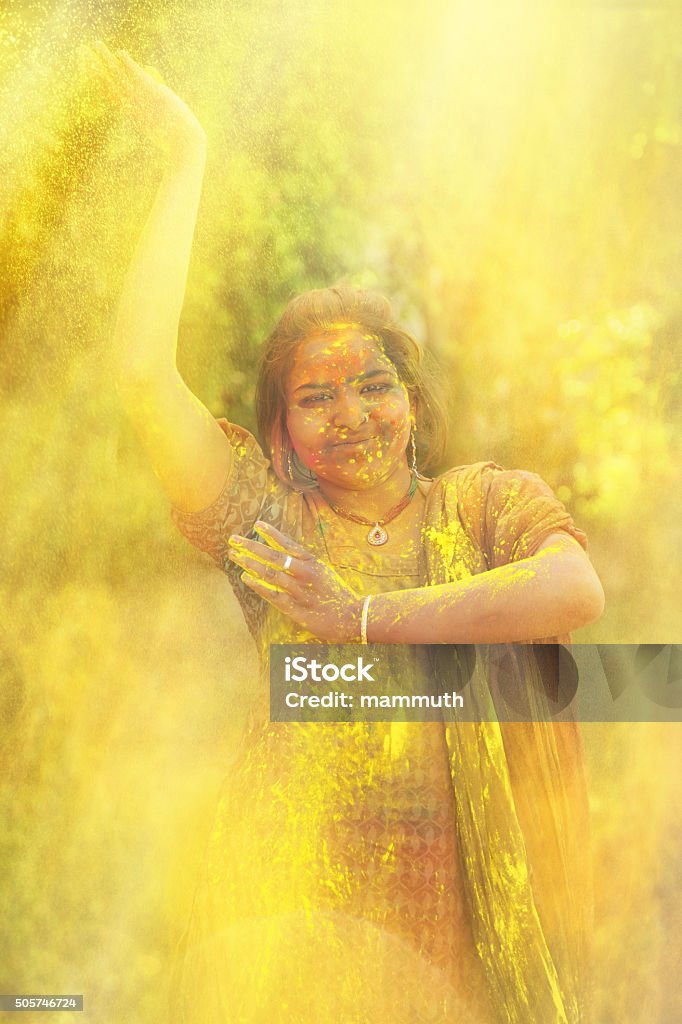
(510, 175)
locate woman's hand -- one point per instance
(157, 113)
(298, 584)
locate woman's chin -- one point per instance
(356, 476)
(360, 466)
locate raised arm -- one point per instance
(187, 448)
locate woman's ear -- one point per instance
(413, 410)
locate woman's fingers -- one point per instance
(110, 86)
(297, 583)
(240, 547)
(292, 559)
(273, 571)
(260, 566)
(121, 68)
(100, 61)
(250, 578)
(108, 59)
(111, 72)
(136, 70)
(279, 541)
(157, 114)
(278, 599)
(150, 70)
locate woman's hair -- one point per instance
(328, 309)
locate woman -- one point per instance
(362, 871)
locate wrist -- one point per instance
(364, 619)
(354, 628)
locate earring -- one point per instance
(302, 470)
(413, 446)
(290, 465)
(292, 468)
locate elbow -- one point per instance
(587, 599)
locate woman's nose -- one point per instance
(349, 411)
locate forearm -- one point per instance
(549, 594)
(146, 328)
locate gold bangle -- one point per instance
(363, 621)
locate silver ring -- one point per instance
(287, 563)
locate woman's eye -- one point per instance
(311, 399)
(325, 396)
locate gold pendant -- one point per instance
(377, 536)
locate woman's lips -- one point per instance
(352, 443)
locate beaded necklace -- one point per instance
(377, 535)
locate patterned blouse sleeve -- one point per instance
(252, 491)
(518, 512)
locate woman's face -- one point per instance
(348, 413)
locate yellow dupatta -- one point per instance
(519, 788)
